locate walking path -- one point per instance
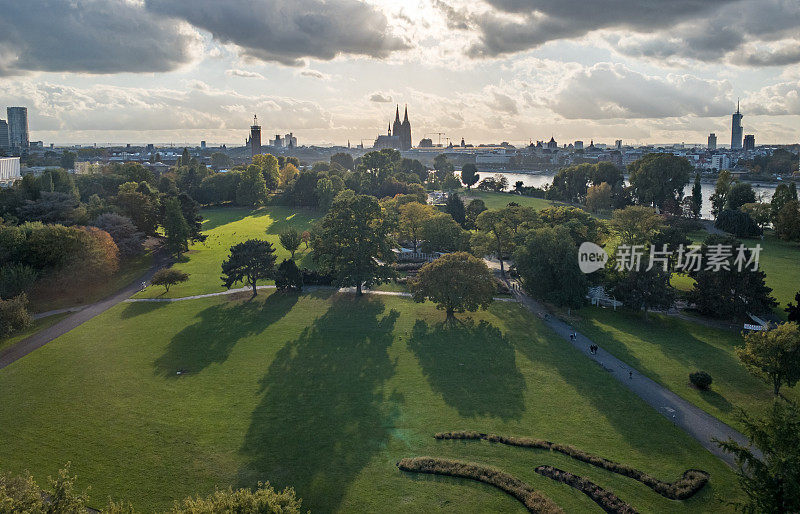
(84, 313)
(694, 421)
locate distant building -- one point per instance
(277, 142)
(552, 145)
(9, 170)
(712, 141)
(5, 141)
(618, 144)
(202, 145)
(736, 129)
(399, 134)
(254, 141)
(720, 162)
(749, 142)
(18, 127)
(426, 142)
(578, 145)
(290, 141)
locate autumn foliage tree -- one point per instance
(456, 282)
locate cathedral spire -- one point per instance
(405, 118)
(397, 114)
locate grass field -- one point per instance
(37, 325)
(667, 349)
(326, 392)
(499, 200)
(226, 227)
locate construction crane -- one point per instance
(440, 134)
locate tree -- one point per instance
(783, 194)
(469, 175)
(286, 174)
(739, 194)
(456, 282)
(643, 289)
(724, 291)
(220, 160)
(636, 224)
(175, 227)
(252, 188)
(291, 240)
(787, 221)
(123, 231)
(659, 177)
(793, 310)
(720, 196)
(185, 159)
(738, 223)
(263, 500)
(441, 233)
(474, 208)
(54, 207)
(168, 277)
(249, 262)
(498, 230)
(771, 480)
(288, 276)
(345, 160)
(598, 198)
(761, 213)
(16, 278)
(773, 355)
(353, 241)
(697, 196)
(455, 208)
(548, 265)
(412, 217)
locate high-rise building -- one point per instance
(578, 145)
(18, 127)
(749, 142)
(712, 141)
(254, 142)
(736, 129)
(618, 144)
(202, 145)
(5, 143)
(289, 140)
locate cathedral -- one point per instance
(399, 134)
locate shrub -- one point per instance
(607, 500)
(700, 379)
(14, 315)
(128, 239)
(16, 279)
(288, 276)
(168, 277)
(532, 499)
(315, 278)
(685, 487)
(263, 500)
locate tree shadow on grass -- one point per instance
(300, 219)
(473, 366)
(211, 339)
(134, 309)
(323, 414)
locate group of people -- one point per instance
(593, 349)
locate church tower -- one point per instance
(397, 127)
(405, 134)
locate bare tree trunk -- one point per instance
(359, 292)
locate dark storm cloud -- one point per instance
(706, 30)
(90, 36)
(288, 31)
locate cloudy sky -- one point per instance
(645, 71)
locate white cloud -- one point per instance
(244, 74)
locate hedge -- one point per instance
(685, 487)
(607, 500)
(532, 499)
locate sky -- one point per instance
(329, 71)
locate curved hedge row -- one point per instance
(532, 499)
(607, 500)
(685, 487)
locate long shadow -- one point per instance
(220, 216)
(323, 414)
(284, 220)
(211, 339)
(134, 309)
(473, 367)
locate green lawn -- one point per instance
(780, 260)
(326, 392)
(667, 349)
(499, 200)
(225, 227)
(37, 325)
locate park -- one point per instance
(391, 397)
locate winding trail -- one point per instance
(691, 419)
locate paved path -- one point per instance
(694, 421)
(83, 315)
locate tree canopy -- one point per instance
(249, 262)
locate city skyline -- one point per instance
(486, 72)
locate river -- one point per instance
(764, 192)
